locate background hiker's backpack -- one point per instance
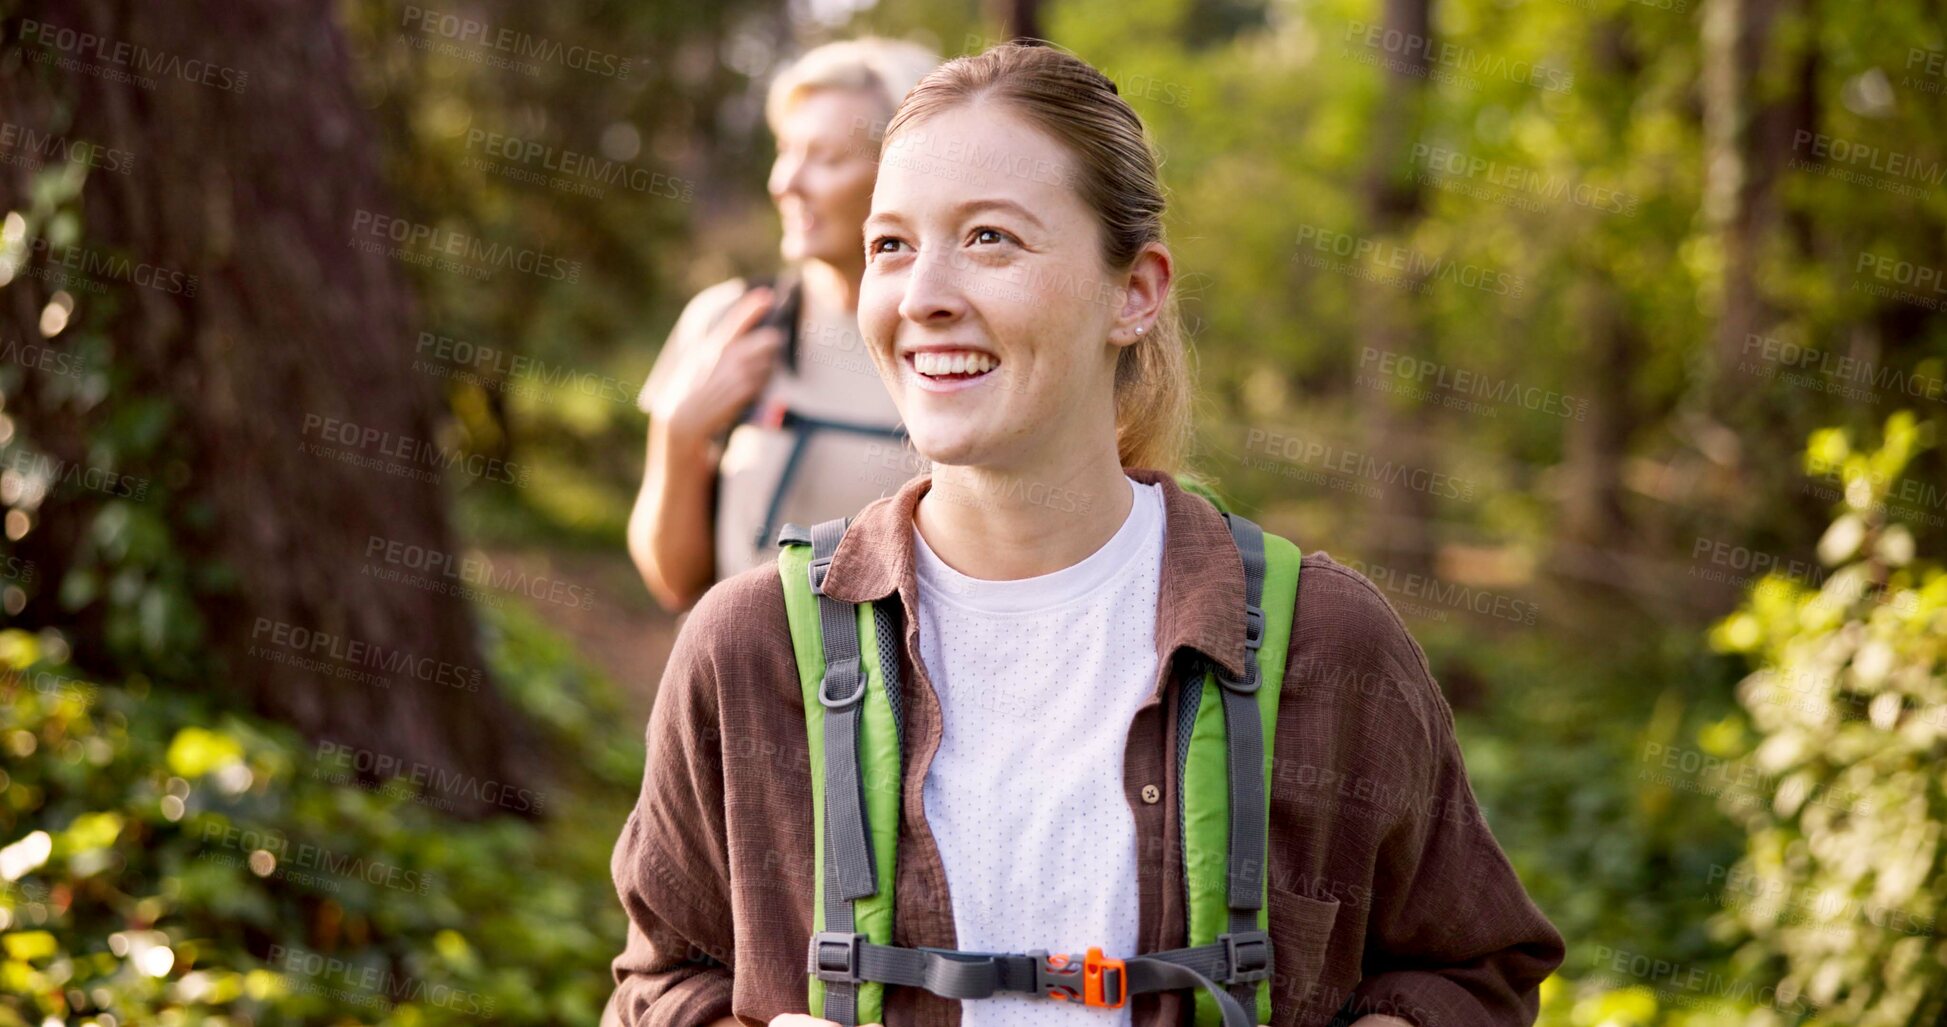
(848, 668)
(778, 415)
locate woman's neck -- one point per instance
(831, 285)
(1004, 526)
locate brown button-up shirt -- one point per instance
(1388, 893)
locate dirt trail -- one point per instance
(623, 632)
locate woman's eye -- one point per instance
(880, 245)
(982, 234)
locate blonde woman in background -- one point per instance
(764, 406)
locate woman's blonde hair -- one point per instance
(1116, 176)
(887, 68)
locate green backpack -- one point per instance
(848, 668)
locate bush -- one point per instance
(170, 861)
(1842, 879)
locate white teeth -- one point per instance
(960, 362)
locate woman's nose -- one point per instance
(787, 176)
(935, 292)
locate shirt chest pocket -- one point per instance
(1301, 931)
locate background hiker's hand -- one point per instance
(735, 360)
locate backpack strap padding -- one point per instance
(854, 762)
(1228, 767)
(840, 691)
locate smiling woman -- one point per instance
(1103, 728)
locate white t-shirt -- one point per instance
(1039, 680)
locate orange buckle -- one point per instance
(1101, 977)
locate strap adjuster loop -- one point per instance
(1247, 956)
(834, 956)
(845, 677)
(1249, 683)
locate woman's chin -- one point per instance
(952, 446)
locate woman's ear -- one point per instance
(1147, 286)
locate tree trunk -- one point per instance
(258, 192)
(1756, 96)
(1597, 438)
(1390, 320)
(1018, 18)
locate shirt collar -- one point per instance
(1200, 599)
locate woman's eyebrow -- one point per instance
(961, 210)
(999, 204)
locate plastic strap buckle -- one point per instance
(1247, 956)
(820, 565)
(1253, 641)
(834, 957)
(1095, 981)
(1253, 627)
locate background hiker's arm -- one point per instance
(671, 864)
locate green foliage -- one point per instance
(177, 863)
(127, 577)
(1843, 876)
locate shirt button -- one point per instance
(1152, 794)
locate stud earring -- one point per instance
(1140, 329)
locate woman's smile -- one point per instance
(950, 370)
